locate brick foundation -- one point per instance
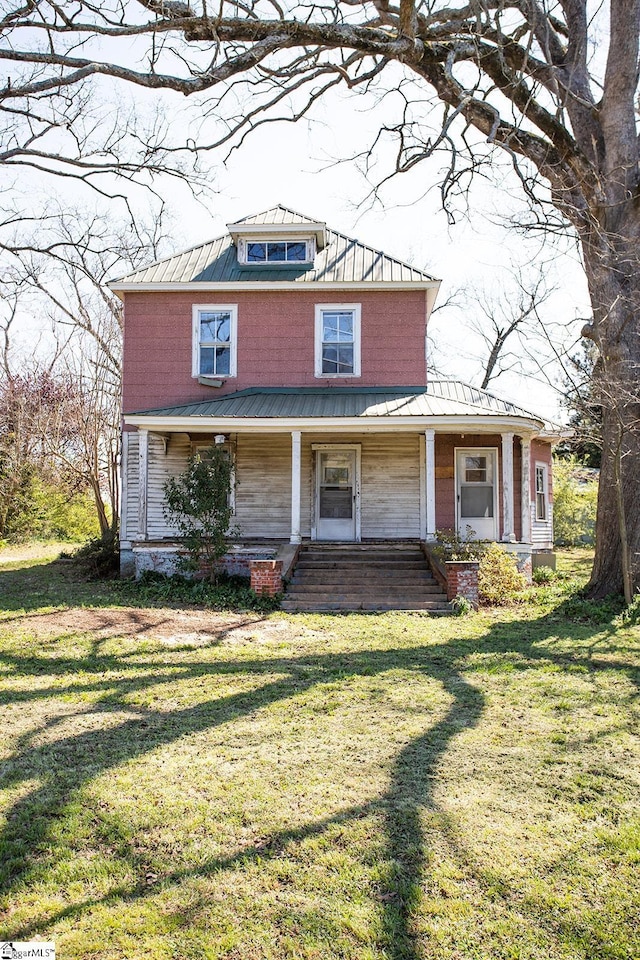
(462, 580)
(266, 577)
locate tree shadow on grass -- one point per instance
(64, 766)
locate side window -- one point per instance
(337, 340)
(542, 510)
(214, 340)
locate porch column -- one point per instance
(296, 460)
(430, 477)
(508, 534)
(143, 482)
(526, 489)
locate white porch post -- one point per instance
(296, 462)
(124, 485)
(526, 489)
(508, 534)
(143, 481)
(430, 474)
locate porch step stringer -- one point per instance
(345, 578)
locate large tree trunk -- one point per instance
(618, 502)
(613, 271)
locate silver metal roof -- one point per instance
(439, 398)
(277, 215)
(343, 260)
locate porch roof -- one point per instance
(440, 398)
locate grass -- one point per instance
(257, 786)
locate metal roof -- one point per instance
(277, 215)
(343, 260)
(439, 398)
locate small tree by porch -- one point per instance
(198, 505)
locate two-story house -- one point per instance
(303, 351)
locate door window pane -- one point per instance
(476, 502)
(475, 470)
(335, 475)
(336, 503)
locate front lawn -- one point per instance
(181, 783)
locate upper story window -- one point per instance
(277, 251)
(337, 340)
(542, 509)
(214, 340)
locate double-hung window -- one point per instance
(214, 340)
(337, 340)
(542, 509)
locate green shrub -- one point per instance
(451, 546)
(461, 606)
(100, 557)
(575, 495)
(543, 575)
(198, 504)
(228, 593)
(499, 579)
(44, 510)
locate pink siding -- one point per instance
(445, 486)
(275, 342)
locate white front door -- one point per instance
(336, 494)
(476, 493)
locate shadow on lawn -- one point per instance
(66, 765)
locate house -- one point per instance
(303, 352)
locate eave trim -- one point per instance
(466, 424)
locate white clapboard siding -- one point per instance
(390, 488)
(263, 485)
(162, 466)
(130, 496)
(542, 530)
(389, 483)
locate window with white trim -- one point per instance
(337, 340)
(214, 340)
(297, 250)
(542, 506)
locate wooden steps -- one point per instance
(369, 577)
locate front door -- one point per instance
(336, 494)
(476, 493)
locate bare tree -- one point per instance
(32, 423)
(65, 275)
(528, 78)
(508, 319)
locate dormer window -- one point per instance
(276, 251)
(294, 251)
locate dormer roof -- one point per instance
(279, 222)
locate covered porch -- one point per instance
(389, 469)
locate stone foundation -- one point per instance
(164, 558)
